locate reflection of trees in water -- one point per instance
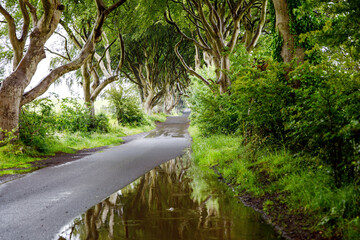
(169, 202)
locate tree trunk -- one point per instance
(288, 50)
(222, 66)
(13, 86)
(148, 103)
(197, 58)
(170, 103)
(89, 102)
(12, 95)
(10, 98)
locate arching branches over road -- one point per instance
(103, 67)
(216, 28)
(45, 20)
(153, 66)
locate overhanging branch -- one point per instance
(188, 68)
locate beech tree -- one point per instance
(45, 19)
(99, 70)
(216, 29)
(289, 49)
(150, 63)
(295, 22)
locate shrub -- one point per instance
(261, 95)
(37, 124)
(325, 119)
(73, 116)
(101, 123)
(76, 117)
(213, 113)
(126, 107)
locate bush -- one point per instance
(101, 123)
(261, 95)
(212, 113)
(37, 124)
(126, 107)
(325, 119)
(39, 121)
(77, 117)
(313, 110)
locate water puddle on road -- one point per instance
(176, 200)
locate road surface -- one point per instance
(39, 204)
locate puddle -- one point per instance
(176, 200)
(175, 127)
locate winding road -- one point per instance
(39, 204)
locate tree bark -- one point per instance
(13, 86)
(148, 102)
(12, 95)
(288, 51)
(218, 27)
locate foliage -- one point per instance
(9, 136)
(75, 117)
(37, 123)
(212, 114)
(325, 119)
(126, 107)
(280, 178)
(342, 30)
(158, 117)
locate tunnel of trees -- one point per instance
(280, 73)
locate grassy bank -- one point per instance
(16, 158)
(289, 188)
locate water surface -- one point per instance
(177, 200)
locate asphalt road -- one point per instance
(39, 204)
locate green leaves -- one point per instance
(126, 107)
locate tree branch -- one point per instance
(46, 18)
(122, 58)
(32, 12)
(86, 52)
(25, 28)
(103, 85)
(189, 69)
(57, 54)
(169, 20)
(260, 27)
(66, 45)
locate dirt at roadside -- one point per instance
(291, 226)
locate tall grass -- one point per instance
(302, 183)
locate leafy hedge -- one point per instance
(313, 110)
(39, 120)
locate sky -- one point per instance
(60, 89)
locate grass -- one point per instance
(16, 158)
(301, 183)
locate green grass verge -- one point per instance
(17, 158)
(301, 183)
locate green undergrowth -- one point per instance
(273, 174)
(17, 157)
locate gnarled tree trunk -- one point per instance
(12, 95)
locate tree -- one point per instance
(343, 29)
(45, 20)
(152, 64)
(215, 29)
(292, 19)
(288, 48)
(99, 70)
